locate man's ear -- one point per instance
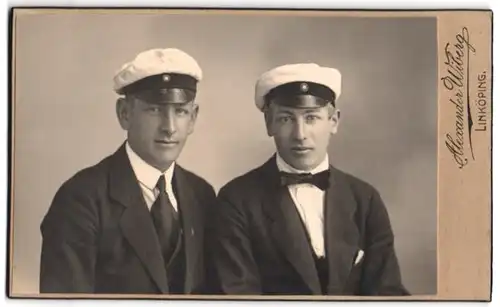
(123, 112)
(194, 116)
(335, 118)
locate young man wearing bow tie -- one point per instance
(296, 225)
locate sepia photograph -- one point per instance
(250, 154)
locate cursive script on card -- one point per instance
(456, 81)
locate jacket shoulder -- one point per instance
(77, 197)
(362, 191)
(197, 181)
(89, 178)
(352, 180)
(245, 183)
(358, 186)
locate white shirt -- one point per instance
(309, 201)
(147, 176)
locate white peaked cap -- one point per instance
(156, 62)
(307, 73)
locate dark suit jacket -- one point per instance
(260, 245)
(98, 236)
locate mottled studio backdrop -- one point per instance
(65, 109)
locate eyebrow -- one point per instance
(304, 111)
(284, 112)
(308, 111)
(185, 104)
(165, 105)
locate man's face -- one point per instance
(302, 135)
(157, 132)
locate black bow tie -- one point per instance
(321, 179)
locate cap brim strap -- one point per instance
(172, 95)
(161, 81)
(301, 94)
(300, 101)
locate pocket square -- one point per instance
(359, 257)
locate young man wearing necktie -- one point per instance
(296, 225)
(135, 222)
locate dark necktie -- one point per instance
(165, 220)
(321, 179)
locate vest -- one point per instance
(322, 269)
(175, 259)
(321, 264)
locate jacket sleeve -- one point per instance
(231, 248)
(381, 273)
(69, 242)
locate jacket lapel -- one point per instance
(136, 223)
(187, 204)
(287, 228)
(342, 234)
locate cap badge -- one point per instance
(304, 87)
(166, 78)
